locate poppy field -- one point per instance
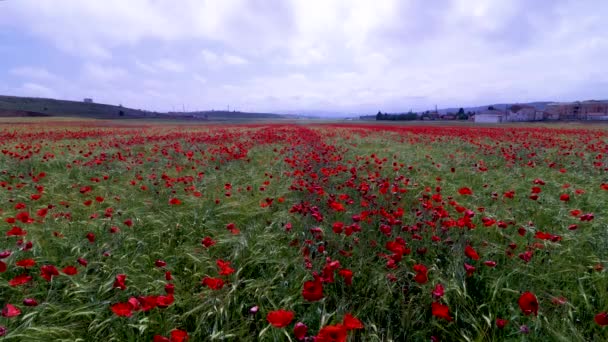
(302, 232)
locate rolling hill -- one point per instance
(15, 106)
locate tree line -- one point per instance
(410, 116)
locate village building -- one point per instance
(579, 110)
(490, 116)
(522, 112)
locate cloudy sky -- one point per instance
(350, 56)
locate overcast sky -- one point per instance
(352, 56)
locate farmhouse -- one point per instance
(518, 113)
(489, 116)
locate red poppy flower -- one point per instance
(421, 276)
(42, 212)
(465, 191)
(438, 291)
(134, 303)
(175, 201)
(347, 275)
(526, 256)
(280, 318)
(300, 330)
(313, 290)
(24, 217)
(160, 263)
(441, 311)
(207, 242)
(351, 323)
(91, 237)
(501, 323)
(575, 212)
(178, 335)
(471, 253)
(147, 302)
(122, 309)
(213, 283)
(164, 301)
(2, 267)
(70, 270)
(232, 228)
(30, 302)
(224, 267)
(20, 280)
(16, 231)
(601, 318)
(528, 303)
(470, 269)
(10, 311)
(48, 272)
(332, 333)
(119, 282)
(490, 263)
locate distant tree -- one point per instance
(461, 115)
(491, 108)
(410, 116)
(379, 116)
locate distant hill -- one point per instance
(52, 107)
(11, 106)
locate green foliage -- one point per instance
(397, 117)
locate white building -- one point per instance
(518, 113)
(489, 116)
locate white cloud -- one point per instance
(36, 90)
(212, 59)
(95, 26)
(209, 57)
(200, 79)
(169, 65)
(234, 59)
(93, 72)
(144, 66)
(30, 72)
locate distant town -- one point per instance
(591, 110)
